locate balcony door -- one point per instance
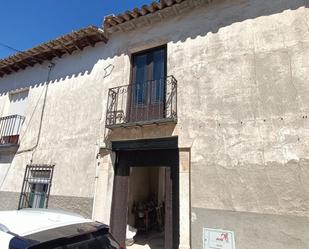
(147, 89)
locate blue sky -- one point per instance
(26, 23)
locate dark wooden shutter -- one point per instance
(148, 94)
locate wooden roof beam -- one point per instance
(23, 60)
(77, 47)
(6, 70)
(31, 56)
(61, 44)
(7, 62)
(21, 65)
(10, 67)
(75, 44)
(66, 44)
(26, 62)
(37, 59)
(119, 19)
(90, 41)
(54, 51)
(46, 56)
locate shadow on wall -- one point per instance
(216, 15)
(78, 64)
(223, 13)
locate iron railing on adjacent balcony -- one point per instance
(10, 127)
(142, 103)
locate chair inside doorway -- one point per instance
(146, 206)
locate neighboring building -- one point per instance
(201, 107)
(53, 128)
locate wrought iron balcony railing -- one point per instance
(10, 127)
(148, 102)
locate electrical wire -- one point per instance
(9, 47)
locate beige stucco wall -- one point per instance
(70, 124)
(242, 94)
(242, 72)
(242, 76)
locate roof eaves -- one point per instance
(156, 11)
(66, 44)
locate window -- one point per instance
(36, 186)
(149, 73)
(148, 86)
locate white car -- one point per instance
(52, 229)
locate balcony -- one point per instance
(10, 127)
(150, 102)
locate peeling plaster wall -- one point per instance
(242, 69)
(246, 125)
(69, 130)
(243, 108)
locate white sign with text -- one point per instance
(218, 239)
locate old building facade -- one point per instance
(206, 100)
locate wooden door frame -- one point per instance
(130, 102)
(144, 158)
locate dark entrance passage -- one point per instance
(159, 153)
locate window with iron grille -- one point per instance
(36, 186)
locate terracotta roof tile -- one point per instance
(89, 36)
(112, 21)
(76, 40)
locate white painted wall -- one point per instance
(71, 121)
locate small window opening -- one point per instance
(36, 186)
